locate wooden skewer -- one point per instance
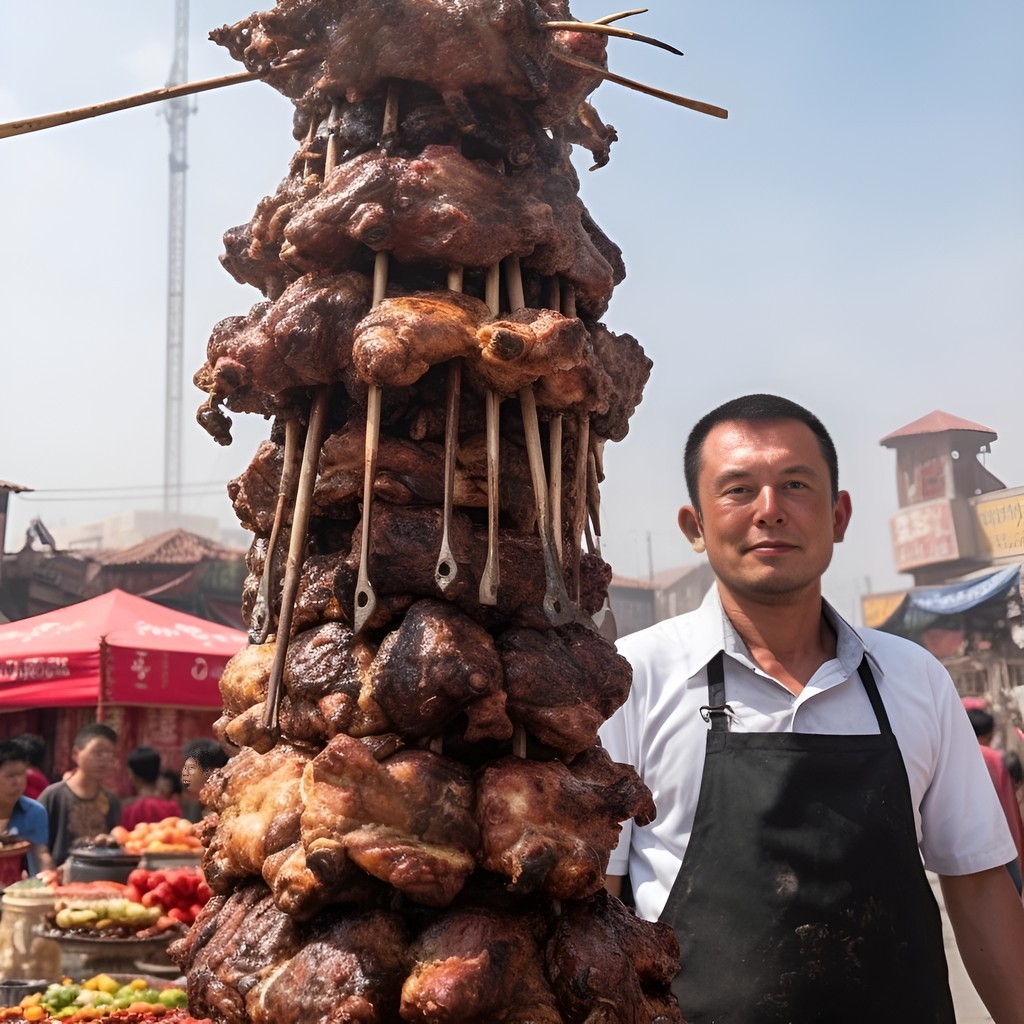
(263, 610)
(366, 599)
(609, 18)
(648, 90)
(555, 486)
(37, 124)
(447, 569)
(491, 576)
(579, 520)
(296, 556)
(602, 28)
(557, 606)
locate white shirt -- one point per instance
(659, 730)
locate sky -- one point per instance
(851, 237)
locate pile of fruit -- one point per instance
(180, 893)
(104, 909)
(171, 835)
(103, 998)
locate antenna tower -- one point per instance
(177, 111)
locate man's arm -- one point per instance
(41, 855)
(988, 922)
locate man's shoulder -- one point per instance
(30, 807)
(682, 641)
(54, 791)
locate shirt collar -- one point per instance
(717, 633)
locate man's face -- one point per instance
(193, 778)
(96, 759)
(767, 519)
(12, 780)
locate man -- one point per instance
(80, 808)
(802, 770)
(984, 726)
(147, 805)
(21, 818)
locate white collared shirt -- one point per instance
(660, 731)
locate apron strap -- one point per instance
(867, 677)
(716, 711)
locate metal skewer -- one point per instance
(293, 568)
(557, 606)
(366, 599)
(447, 569)
(263, 609)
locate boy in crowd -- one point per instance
(147, 805)
(21, 818)
(80, 808)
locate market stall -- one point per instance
(150, 672)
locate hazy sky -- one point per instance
(851, 237)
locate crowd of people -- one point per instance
(42, 821)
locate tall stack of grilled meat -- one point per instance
(418, 821)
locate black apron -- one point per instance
(802, 897)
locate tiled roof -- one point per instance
(661, 580)
(938, 422)
(7, 486)
(174, 547)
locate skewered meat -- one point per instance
(303, 339)
(443, 209)
(404, 544)
(350, 968)
(628, 368)
(480, 965)
(562, 684)
(353, 50)
(228, 949)
(326, 684)
(609, 967)
(437, 664)
(406, 819)
(246, 961)
(551, 827)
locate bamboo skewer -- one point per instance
(603, 28)
(648, 90)
(293, 569)
(579, 521)
(490, 579)
(37, 124)
(262, 613)
(366, 599)
(447, 569)
(609, 18)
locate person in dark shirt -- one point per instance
(147, 805)
(81, 810)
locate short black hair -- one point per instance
(35, 747)
(12, 750)
(755, 409)
(145, 763)
(91, 732)
(982, 722)
(208, 754)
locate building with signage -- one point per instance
(959, 532)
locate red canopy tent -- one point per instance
(115, 649)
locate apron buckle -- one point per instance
(708, 710)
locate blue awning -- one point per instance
(961, 597)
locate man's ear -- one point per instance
(689, 523)
(842, 510)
